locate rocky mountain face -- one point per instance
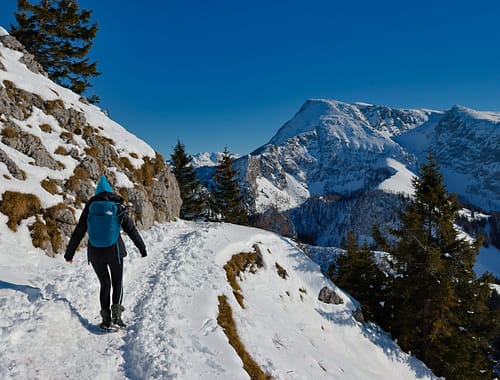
(337, 159)
(54, 146)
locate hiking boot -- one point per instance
(117, 315)
(106, 319)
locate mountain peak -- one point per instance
(315, 113)
(465, 112)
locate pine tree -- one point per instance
(227, 200)
(189, 186)
(59, 34)
(358, 273)
(437, 307)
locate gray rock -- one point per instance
(33, 147)
(69, 119)
(12, 166)
(91, 164)
(358, 315)
(143, 210)
(328, 295)
(28, 59)
(17, 103)
(84, 190)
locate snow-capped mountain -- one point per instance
(336, 166)
(330, 147)
(54, 145)
(466, 143)
(207, 159)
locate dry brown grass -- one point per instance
(46, 229)
(92, 151)
(145, 174)
(61, 151)
(89, 131)
(19, 206)
(124, 163)
(281, 271)
(52, 228)
(79, 174)
(124, 193)
(66, 136)
(9, 132)
(226, 321)
(240, 263)
(51, 105)
(39, 233)
(50, 186)
(45, 128)
(134, 155)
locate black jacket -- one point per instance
(126, 224)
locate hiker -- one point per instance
(102, 218)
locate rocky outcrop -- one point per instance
(27, 58)
(31, 146)
(87, 151)
(11, 166)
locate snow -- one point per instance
(27, 80)
(50, 310)
(126, 144)
(210, 159)
(269, 195)
(400, 182)
(3, 32)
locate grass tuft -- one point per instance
(19, 206)
(50, 186)
(45, 128)
(226, 321)
(240, 263)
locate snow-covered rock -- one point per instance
(55, 146)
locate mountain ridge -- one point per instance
(359, 138)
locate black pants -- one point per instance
(108, 266)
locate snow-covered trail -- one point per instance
(50, 310)
(49, 325)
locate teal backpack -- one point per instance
(103, 224)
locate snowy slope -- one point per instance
(54, 145)
(24, 79)
(50, 308)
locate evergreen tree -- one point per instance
(190, 189)
(227, 200)
(436, 306)
(358, 273)
(59, 34)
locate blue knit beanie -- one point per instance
(103, 186)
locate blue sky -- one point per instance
(231, 72)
